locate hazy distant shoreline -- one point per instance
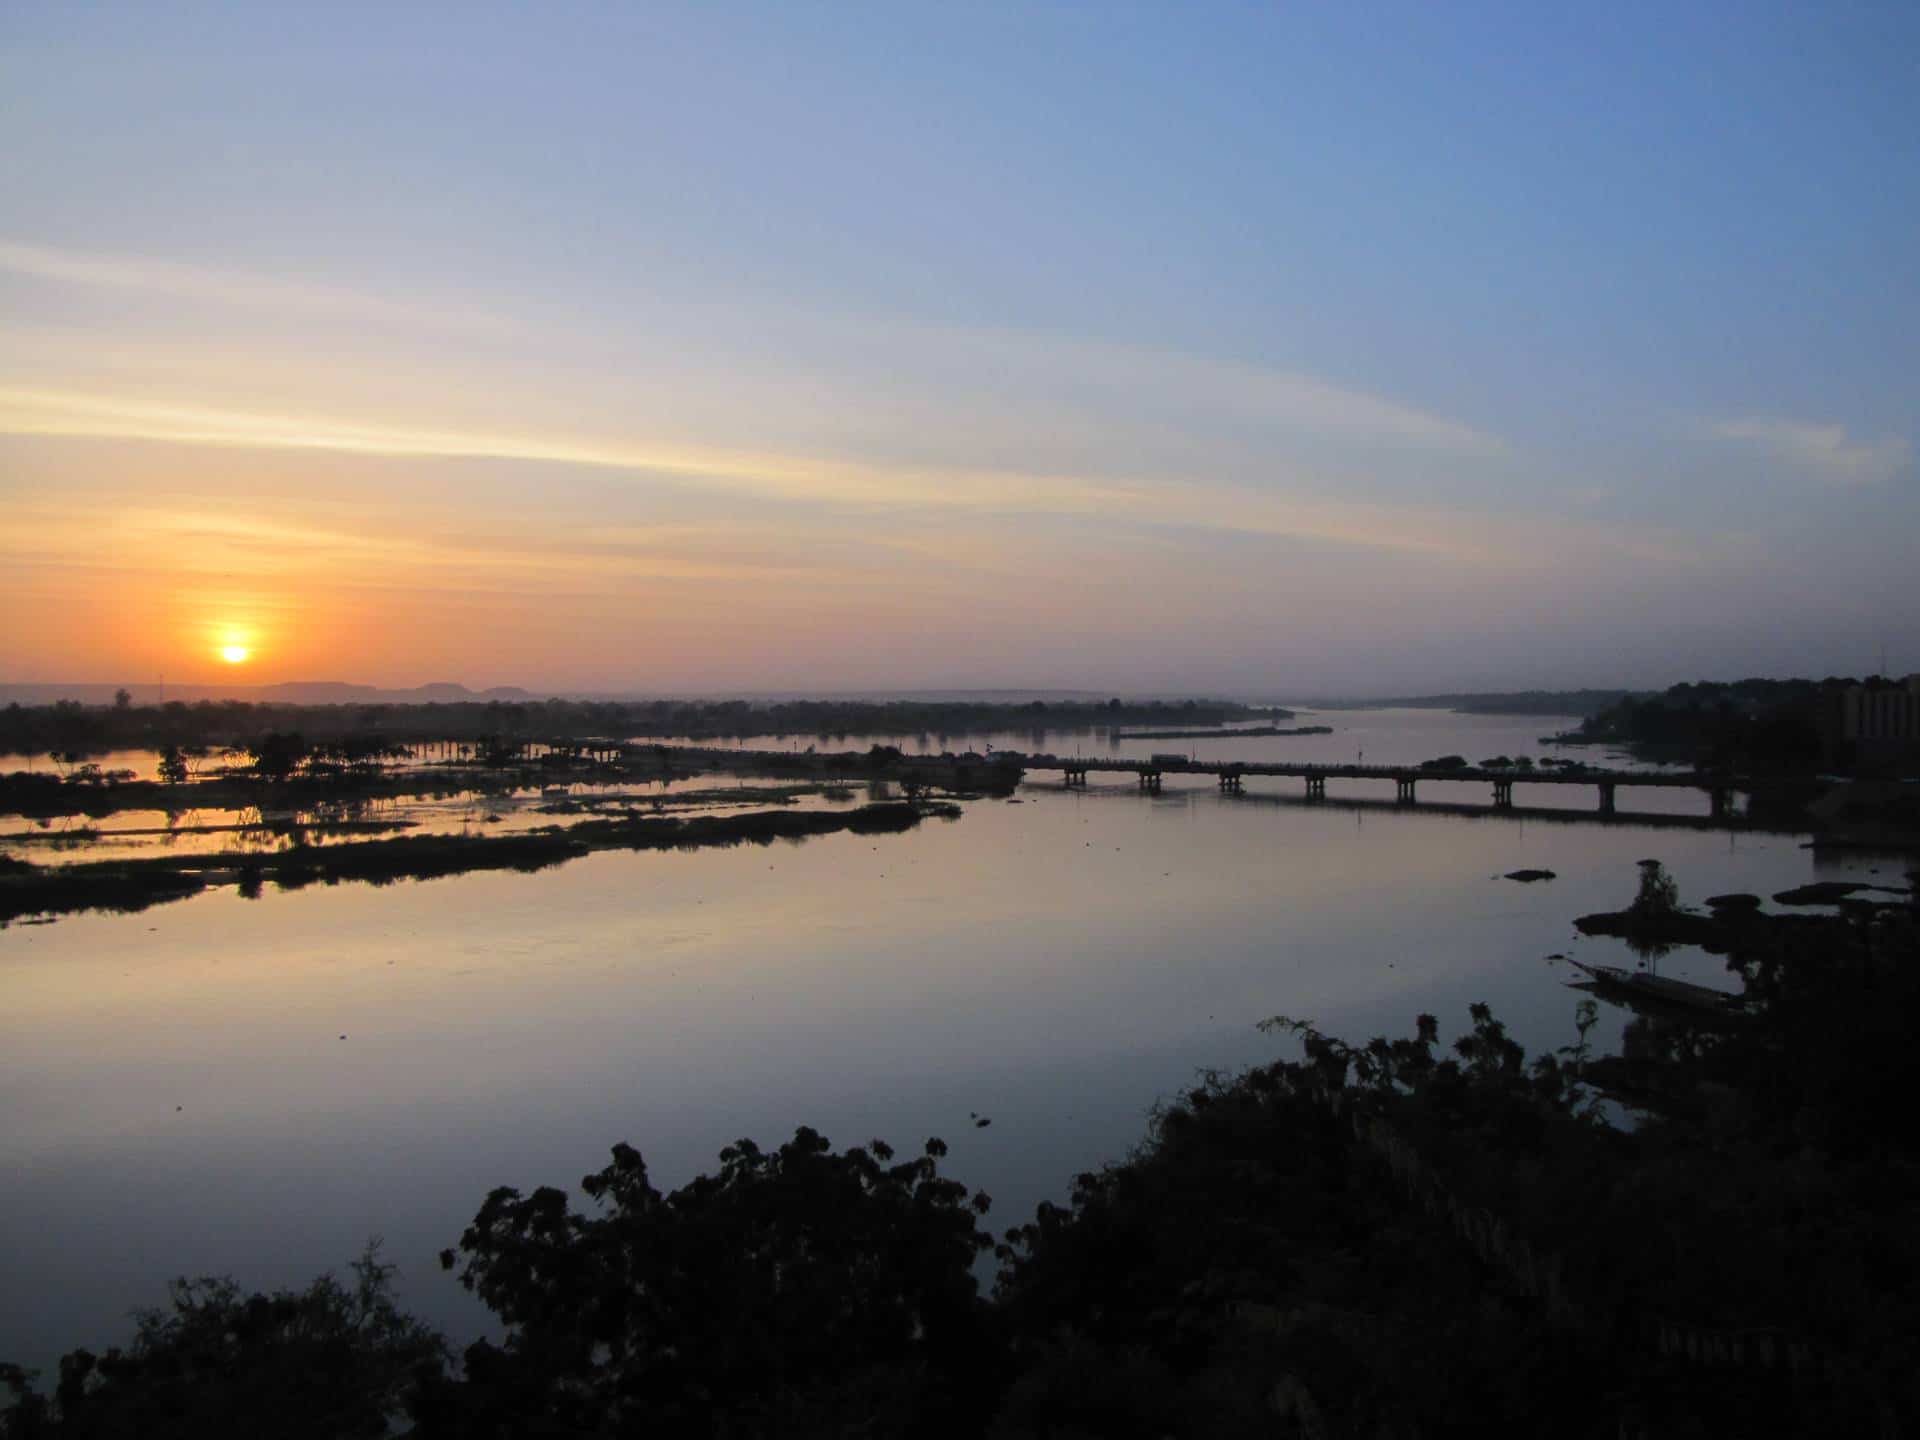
(341, 692)
(1496, 702)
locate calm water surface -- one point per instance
(178, 1096)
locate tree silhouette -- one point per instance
(1656, 903)
(173, 766)
(277, 756)
(333, 1360)
(790, 1292)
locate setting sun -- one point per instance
(235, 654)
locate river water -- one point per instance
(256, 1087)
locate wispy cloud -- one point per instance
(240, 289)
(1122, 373)
(1827, 451)
(43, 412)
(811, 479)
(936, 507)
(1058, 380)
(304, 543)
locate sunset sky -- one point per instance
(1282, 348)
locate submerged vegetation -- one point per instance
(310, 801)
(1393, 1238)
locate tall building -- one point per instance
(1879, 725)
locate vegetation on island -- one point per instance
(131, 885)
(1395, 1238)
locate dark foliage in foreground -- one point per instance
(334, 1360)
(790, 1292)
(1390, 1239)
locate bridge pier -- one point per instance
(1076, 776)
(1606, 797)
(1230, 782)
(1403, 789)
(1316, 787)
(1150, 781)
(1722, 800)
(1503, 794)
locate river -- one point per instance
(254, 1088)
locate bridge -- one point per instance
(1232, 773)
(967, 771)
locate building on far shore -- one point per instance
(1875, 727)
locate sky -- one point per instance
(1252, 349)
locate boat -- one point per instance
(1677, 994)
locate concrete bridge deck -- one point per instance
(1406, 778)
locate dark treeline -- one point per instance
(1397, 1238)
(1753, 727)
(69, 727)
(1517, 702)
(1241, 732)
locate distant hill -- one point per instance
(929, 697)
(290, 692)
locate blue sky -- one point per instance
(1316, 348)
